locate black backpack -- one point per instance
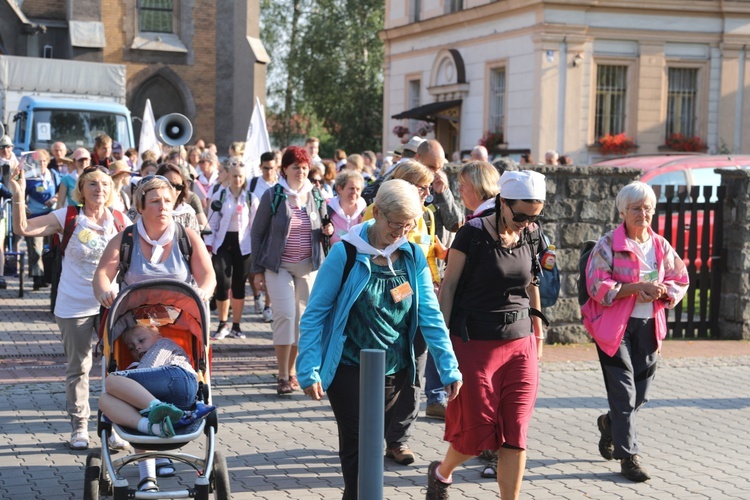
(371, 190)
(126, 247)
(583, 262)
(549, 281)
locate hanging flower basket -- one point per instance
(619, 144)
(678, 142)
(424, 128)
(400, 130)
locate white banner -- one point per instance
(148, 139)
(257, 141)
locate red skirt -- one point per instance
(494, 407)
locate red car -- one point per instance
(681, 169)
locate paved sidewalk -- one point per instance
(694, 431)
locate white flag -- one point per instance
(148, 139)
(257, 141)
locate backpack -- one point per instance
(279, 196)
(371, 190)
(52, 258)
(549, 282)
(583, 262)
(126, 246)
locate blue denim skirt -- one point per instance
(170, 384)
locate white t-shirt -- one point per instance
(75, 295)
(649, 272)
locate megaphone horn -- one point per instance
(174, 129)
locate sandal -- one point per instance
(165, 468)
(490, 470)
(166, 429)
(148, 484)
(160, 411)
(284, 387)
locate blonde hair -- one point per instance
(150, 185)
(132, 329)
(77, 193)
(398, 197)
(238, 147)
(482, 177)
(357, 161)
(414, 172)
(348, 175)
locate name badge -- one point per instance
(401, 292)
(313, 216)
(651, 276)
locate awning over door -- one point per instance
(431, 112)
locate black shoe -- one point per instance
(3, 284)
(606, 448)
(633, 470)
(436, 489)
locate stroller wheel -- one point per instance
(220, 477)
(96, 481)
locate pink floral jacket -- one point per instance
(612, 263)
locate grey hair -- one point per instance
(398, 197)
(345, 176)
(635, 192)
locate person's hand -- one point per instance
(315, 391)
(259, 281)
(204, 295)
(18, 182)
(452, 389)
(649, 292)
(107, 298)
(440, 182)
(327, 229)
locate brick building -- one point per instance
(201, 58)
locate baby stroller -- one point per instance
(178, 312)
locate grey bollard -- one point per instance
(371, 423)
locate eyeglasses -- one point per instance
(647, 209)
(424, 189)
(404, 227)
(178, 187)
(524, 217)
(317, 181)
(5, 147)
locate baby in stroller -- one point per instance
(154, 394)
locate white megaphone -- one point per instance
(174, 129)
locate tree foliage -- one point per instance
(330, 70)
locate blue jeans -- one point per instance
(170, 384)
(433, 388)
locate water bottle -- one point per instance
(548, 259)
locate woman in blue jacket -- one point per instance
(386, 295)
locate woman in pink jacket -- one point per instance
(633, 275)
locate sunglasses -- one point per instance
(178, 187)
(90, 169)
(316, 181)
(524, 217)
(152, 177)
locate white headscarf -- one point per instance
(159, 244)
(306, 188)
(353, 237)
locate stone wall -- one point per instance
(580, 206)
(734, 310)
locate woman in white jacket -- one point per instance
(229, 243)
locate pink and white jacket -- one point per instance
(613, 262)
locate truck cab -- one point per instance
(41, 121)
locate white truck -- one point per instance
(43, 101)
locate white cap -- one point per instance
(522, 185)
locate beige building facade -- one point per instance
(542, 74)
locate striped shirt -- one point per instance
(299, 243)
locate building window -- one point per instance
(415, 10)
(453, 6)
(155, 16)
(497, 101)
(414, 99)
(611, 88)
(682, 92)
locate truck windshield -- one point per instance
(77, 129)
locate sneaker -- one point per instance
(236, 334)
(436, 410)
(401, 454)
(201, 411)
(79, 440)
(258, 305)
(606, 447)
(436, 489)
(222, 332)
(633, 470)
(267, 314)
(116, 442)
